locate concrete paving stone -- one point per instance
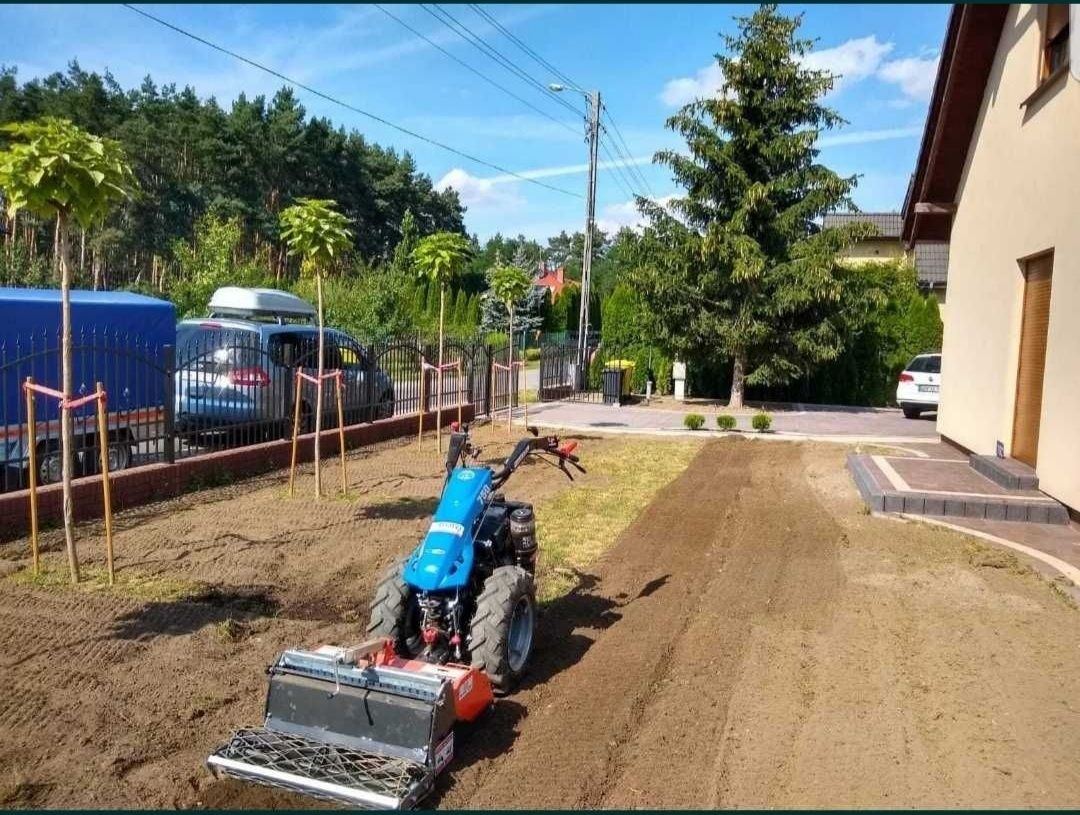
(934, 506)
(1016, 512)
(1038, 514)
(915, 504)
(975, 509)
(954, 507)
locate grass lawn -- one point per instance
(576, 526)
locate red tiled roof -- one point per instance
(555, 280)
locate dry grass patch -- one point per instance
(578, 525)
(130, 583)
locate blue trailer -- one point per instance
(119, 339)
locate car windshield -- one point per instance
(925, 365)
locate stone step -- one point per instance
(881, 497)
(1008, 472)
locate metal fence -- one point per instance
(607, 375)
(133, 373)
(218, 389)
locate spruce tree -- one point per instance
(739, 269)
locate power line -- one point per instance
(492, 53)
(469, 67)
(619, 142)
(626, 147)
(347, 106)
(619, 175)
(539, 60)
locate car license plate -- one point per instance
(928, 388)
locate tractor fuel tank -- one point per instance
(445, 557)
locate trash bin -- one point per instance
(627, 366)
(613, 379)
(618, 381)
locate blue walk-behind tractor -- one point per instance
(371, 725)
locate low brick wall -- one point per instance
(156, 482)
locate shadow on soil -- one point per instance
(400, 509)
(179, 617)
(558, 646)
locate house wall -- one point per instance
(1019, 196)
(874, 249)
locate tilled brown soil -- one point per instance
(752, 639)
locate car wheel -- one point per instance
(912, 412)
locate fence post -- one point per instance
(168, 353)
(489, 381)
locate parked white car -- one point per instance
(917, 387)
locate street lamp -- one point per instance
(592, 131)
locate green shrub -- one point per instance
(694, 421)
(532, 354)
(725, 421)
(761, 421)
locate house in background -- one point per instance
(998, 177)
(884, 245)
(553, 279)
(930, 258)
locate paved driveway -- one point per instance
(855, 423)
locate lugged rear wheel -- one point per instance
(393, 612)
(502, 629)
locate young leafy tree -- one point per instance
(410, 234)
(738, 268)
(57, 170)
(509, 283)
(314, 229)
(440, 258)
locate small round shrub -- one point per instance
(725, 421)
(694, 421)
(761, 421)
(532, 354)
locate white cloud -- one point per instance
(480, 193)
(914, 75)
(567, 169)
(707, 82)
(614, 217)
(850, 61)
(867, 136)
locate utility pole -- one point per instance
(593, 132)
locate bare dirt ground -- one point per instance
(752, 639)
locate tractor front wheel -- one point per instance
(501, 634)
(394, 613)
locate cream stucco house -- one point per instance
(930, 258)
(998, 177)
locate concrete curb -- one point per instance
(778, 435)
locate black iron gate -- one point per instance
(604, 376)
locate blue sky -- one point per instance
(645, 59)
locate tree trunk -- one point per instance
(67, 439)
(82, 251)
(95, 265)
(56, 253)
(319, 390)
(439, 373)
(738, 382)
(510, 381)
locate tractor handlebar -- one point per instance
(548, 445)
(460, 449)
